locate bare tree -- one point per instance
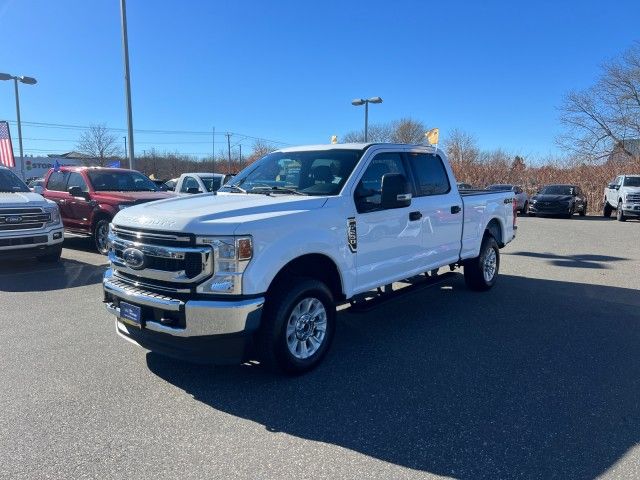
(606, 117)
(461, 147)
(407, 130)
(99, 144)
(259, 149)
(378, 132)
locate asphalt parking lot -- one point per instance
(538, 378)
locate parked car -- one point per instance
(30, 226)
(89, 197)
(192, 183)
(559, 200)
(522, 199)
(623, 196)
(266, 260)
(162, 185)
(171, 184)
(35, 182)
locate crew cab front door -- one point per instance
(389, 241)
(79, 209)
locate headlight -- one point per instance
(231, 256)
(54, 212)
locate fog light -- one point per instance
(57, 235)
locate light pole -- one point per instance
(366, 101)
(127, 81)
(28, 81)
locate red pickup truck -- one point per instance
(89, 197)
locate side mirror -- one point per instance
(39, 189)
(395, 191)
(193, 190)
(612, 185)
(76, 192)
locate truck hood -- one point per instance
(209, 214)
(21, 199)
(132, 197)
(630, 189)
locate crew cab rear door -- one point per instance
(388, 241)
(438, 201)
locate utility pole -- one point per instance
(229, 150)
(213, 150)
(240, 154)
(125, 145)
(127, 80)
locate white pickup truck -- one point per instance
(257, 270)
(203, 182)
(623, 196)
(30, 226)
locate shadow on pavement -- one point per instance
(535, 378)
(79, 243)
(32, 276)
(575, 261)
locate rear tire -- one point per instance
(297, 327)
(100, 234)
(620, 213)
(52, 257)
(481, 272)
(607, 209)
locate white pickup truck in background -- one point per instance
(257, 270)
(30, 226)
(193, 183)
(623, 196)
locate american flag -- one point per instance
(6, 149)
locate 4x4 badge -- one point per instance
(352, 234)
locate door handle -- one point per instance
(413, 216)
(456, 209)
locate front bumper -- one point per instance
(32, 244)
(550, 208)
(631, 209)
(202, 331)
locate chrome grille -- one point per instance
(172, 266)
(633, 197)
(12, 219)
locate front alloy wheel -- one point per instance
(101, 236)
(306, 328)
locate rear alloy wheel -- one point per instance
(101, 235)
(607, 209)
(620, 214)
(481, 272)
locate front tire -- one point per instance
(297, 327)
(100, 235)
(620, 213)
(583, 212)
(481, 272)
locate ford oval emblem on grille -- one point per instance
(134, 258)
(13, 219)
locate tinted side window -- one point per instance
(189, 182)
(430, 174)
(58, 181)
(76, 180)
(368, 192)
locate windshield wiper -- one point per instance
(235, 188)
(279, 189)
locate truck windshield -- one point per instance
(556, 190)
(632, 181)
(9, 182)
(120, 181)
(211, 183)
(321, 172)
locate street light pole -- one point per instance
(15, 85)
(127, 82)
(366, 101)
(28, 81)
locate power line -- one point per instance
(159, 132)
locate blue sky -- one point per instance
(287, 70)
